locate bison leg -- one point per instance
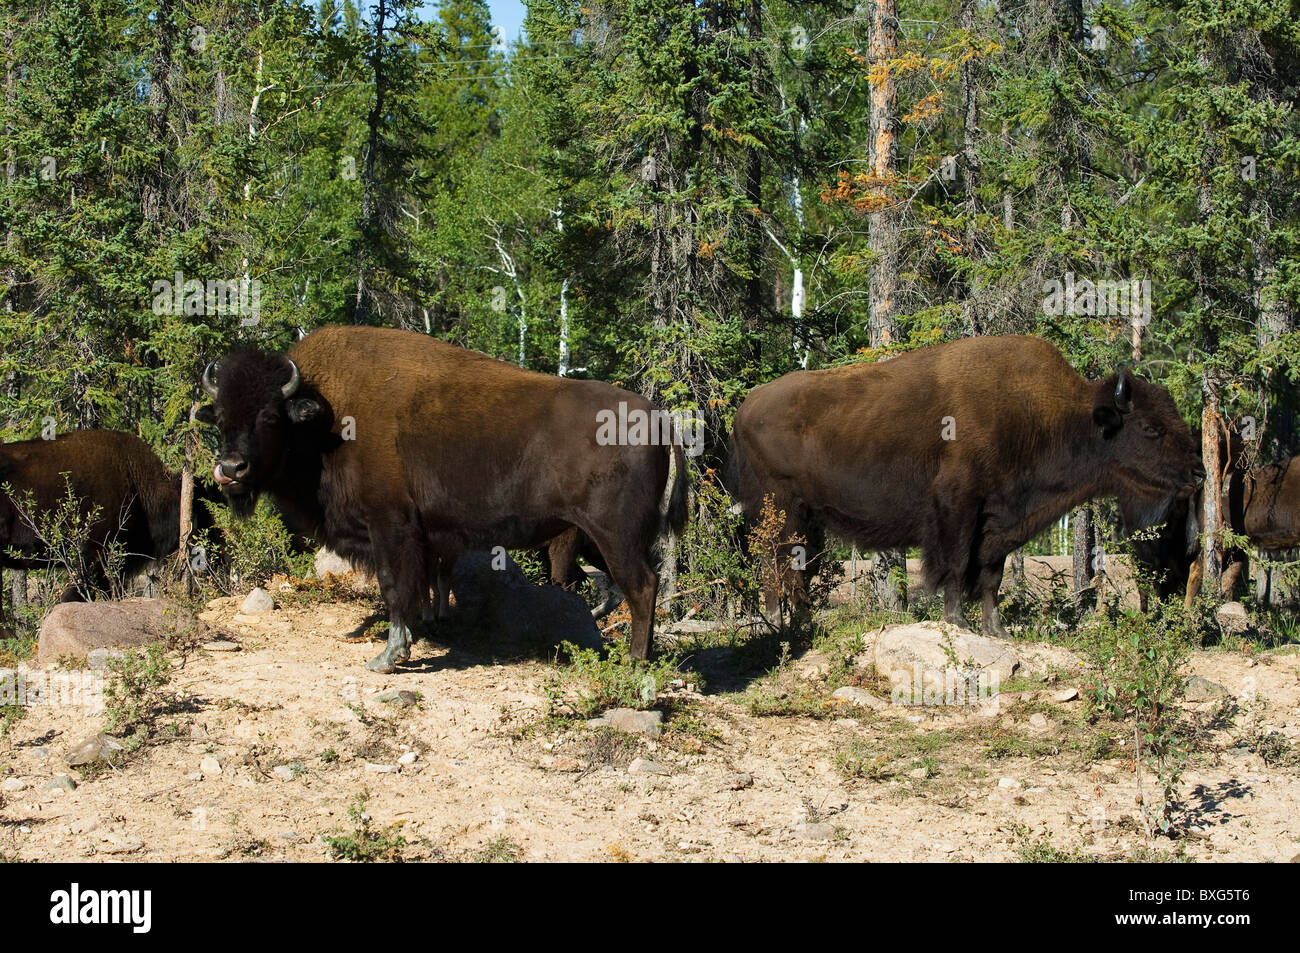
(952, 597)
(990, 582)
(640, 584)
(443, 585)
(404, 583)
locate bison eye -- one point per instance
(1152, 431)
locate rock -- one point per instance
(221, 645)
(741, 780)
(920, 774)
(329, 563)
(646, 766)
(648, 723)
(1010, 783)
(76, 629)
(1038, 721)
(860, 697)
(210, 766)
(402, 699)
(1068, 695)
(503, 602)
(94, 750)
(41, 753)
(381, 768)
(98, 659)
(61, 782)
(937, 663)
(1232, 618)
(257, 602)
(284, 772)
(1199, 689)
(408, 759)
(819, 831)
(813, 665)
(13, 785)
(695, 627)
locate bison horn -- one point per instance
(1124, 394)
(209, 380)
(294, 380)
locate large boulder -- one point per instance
(492, 593)
(937, 663)
(75, 629)
(329, 562)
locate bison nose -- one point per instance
(234, 468)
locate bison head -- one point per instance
(1151, 455)
(258, 402)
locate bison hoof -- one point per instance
(386, 661)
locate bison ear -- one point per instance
(303, 410)
(207, 414)
(1108, 419)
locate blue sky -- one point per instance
(507, 14)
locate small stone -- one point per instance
(258, 601)
(1203, 690)
(860, 697)
(210, 766)
(98, 659)
(1009, 783)
(381, 768)
(284, 772)
(408, 759)
(93, 750)
(221, 645)
(61, 782)
(741, 780)
(1068, 695)
(648, 723)
(1038, 721)
(13, 785)
(919, 774)
(402, 699)
(41, 754)
(646, 766)
(819, 831)
(1232, 618)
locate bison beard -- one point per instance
(138, 499)
(448, 450)
(967, 450)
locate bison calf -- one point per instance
(399, 451)
(967, 449)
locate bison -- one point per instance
(137, 498)
(399, 451)
(1262, 504)
(966, 449)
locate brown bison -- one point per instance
(1262, 504)
(136, 497)
(966, 449)
(399, 451)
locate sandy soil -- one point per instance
(487, 774)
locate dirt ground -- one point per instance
(491, 779)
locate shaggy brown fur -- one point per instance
(862, 450)
(452, 450)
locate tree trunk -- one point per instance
(1085, 540)
(889, 567)
(1212, 512)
